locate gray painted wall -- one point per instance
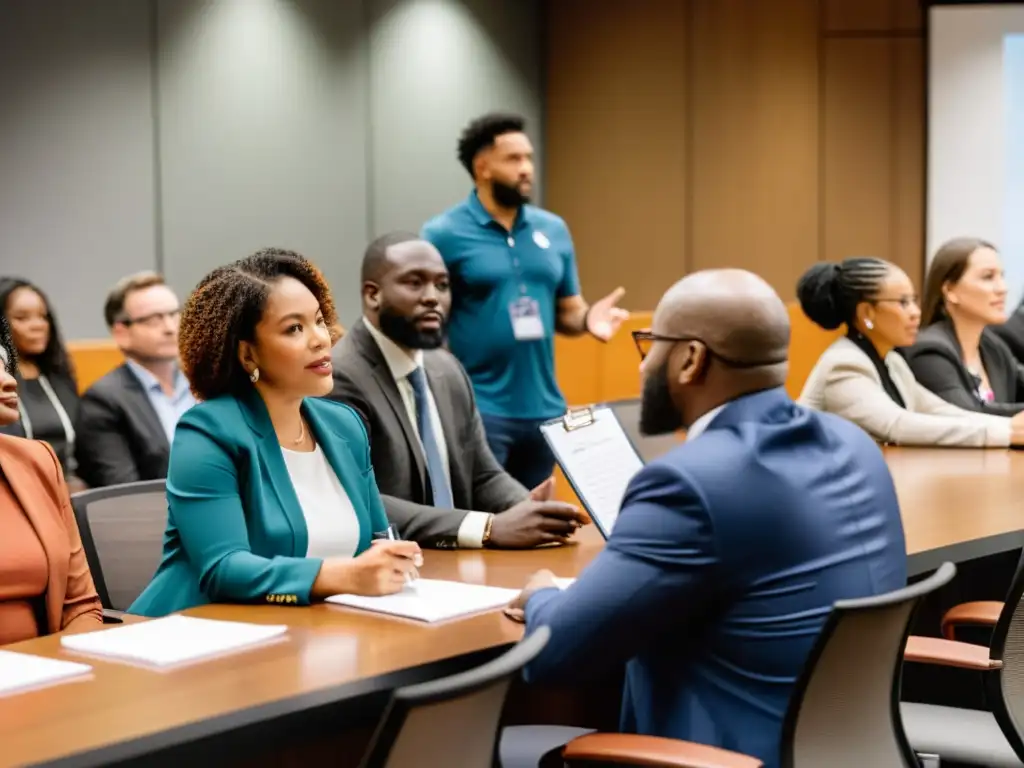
(434, 66)
(182, 134)
(76, 150)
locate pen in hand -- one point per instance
(391, 534)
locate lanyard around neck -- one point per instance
(62, 414)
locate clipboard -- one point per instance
(650, 447)
(597, 457)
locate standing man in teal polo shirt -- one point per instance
(514, 285)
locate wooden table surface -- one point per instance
(954, 502)
(958, 504)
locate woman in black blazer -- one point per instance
(48, 392)
(1012, 332)
(956, 355)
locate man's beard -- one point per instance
(658, 414)
(403, 331)
(508, 195)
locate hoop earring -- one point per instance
(867, 324)
(255, 375)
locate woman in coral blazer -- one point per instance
(45, 584)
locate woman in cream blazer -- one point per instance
(863, 379)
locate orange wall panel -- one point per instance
(93, 359)
(764, 134)
(588, 371)
(806, 343)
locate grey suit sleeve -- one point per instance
(103, 453)
(427, 526)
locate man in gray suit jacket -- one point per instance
(440, 483)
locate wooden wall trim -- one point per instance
(686, 134)
(588, 371)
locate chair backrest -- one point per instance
(454, 720)
(1006, 685)
(122, 528)
(844, 712)
(807, 341)
(649, 447)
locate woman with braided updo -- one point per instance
(860, 376)
(271, 494)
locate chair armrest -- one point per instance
(982, 613)
(949, 653)
(651, 751)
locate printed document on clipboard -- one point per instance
(597, 458)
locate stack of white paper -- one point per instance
(432, 600)
(172, 640)
(20, 672)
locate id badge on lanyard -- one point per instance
(526, 321)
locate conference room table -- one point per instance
(315, 697)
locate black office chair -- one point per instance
(122, 529)
(972, 736)
(844, 711)
(452, 721)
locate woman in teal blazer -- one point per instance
(271, 494)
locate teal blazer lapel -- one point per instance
(336, 447)
(255, 412)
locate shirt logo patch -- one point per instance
(541, 239)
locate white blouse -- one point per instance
(331, 520)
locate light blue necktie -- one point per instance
(431, 448)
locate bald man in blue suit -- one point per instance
(730, 550)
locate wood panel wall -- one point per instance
(764, 134)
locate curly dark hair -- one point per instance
(225, 308)
(482, 132)
(7, 346)
(54, 360)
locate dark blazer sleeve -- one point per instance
(423, 524)
(1012, 334)
(657, 571)
(103, 452)
(1018, 372)
(938, 373)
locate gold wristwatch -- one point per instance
(486, 540)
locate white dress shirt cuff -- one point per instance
(471, 531)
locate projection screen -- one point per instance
(976, 130)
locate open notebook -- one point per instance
(172, 640)
(20, 672)
(432, 600)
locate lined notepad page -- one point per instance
(21, 672)
(432, 600)
(172, 640)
